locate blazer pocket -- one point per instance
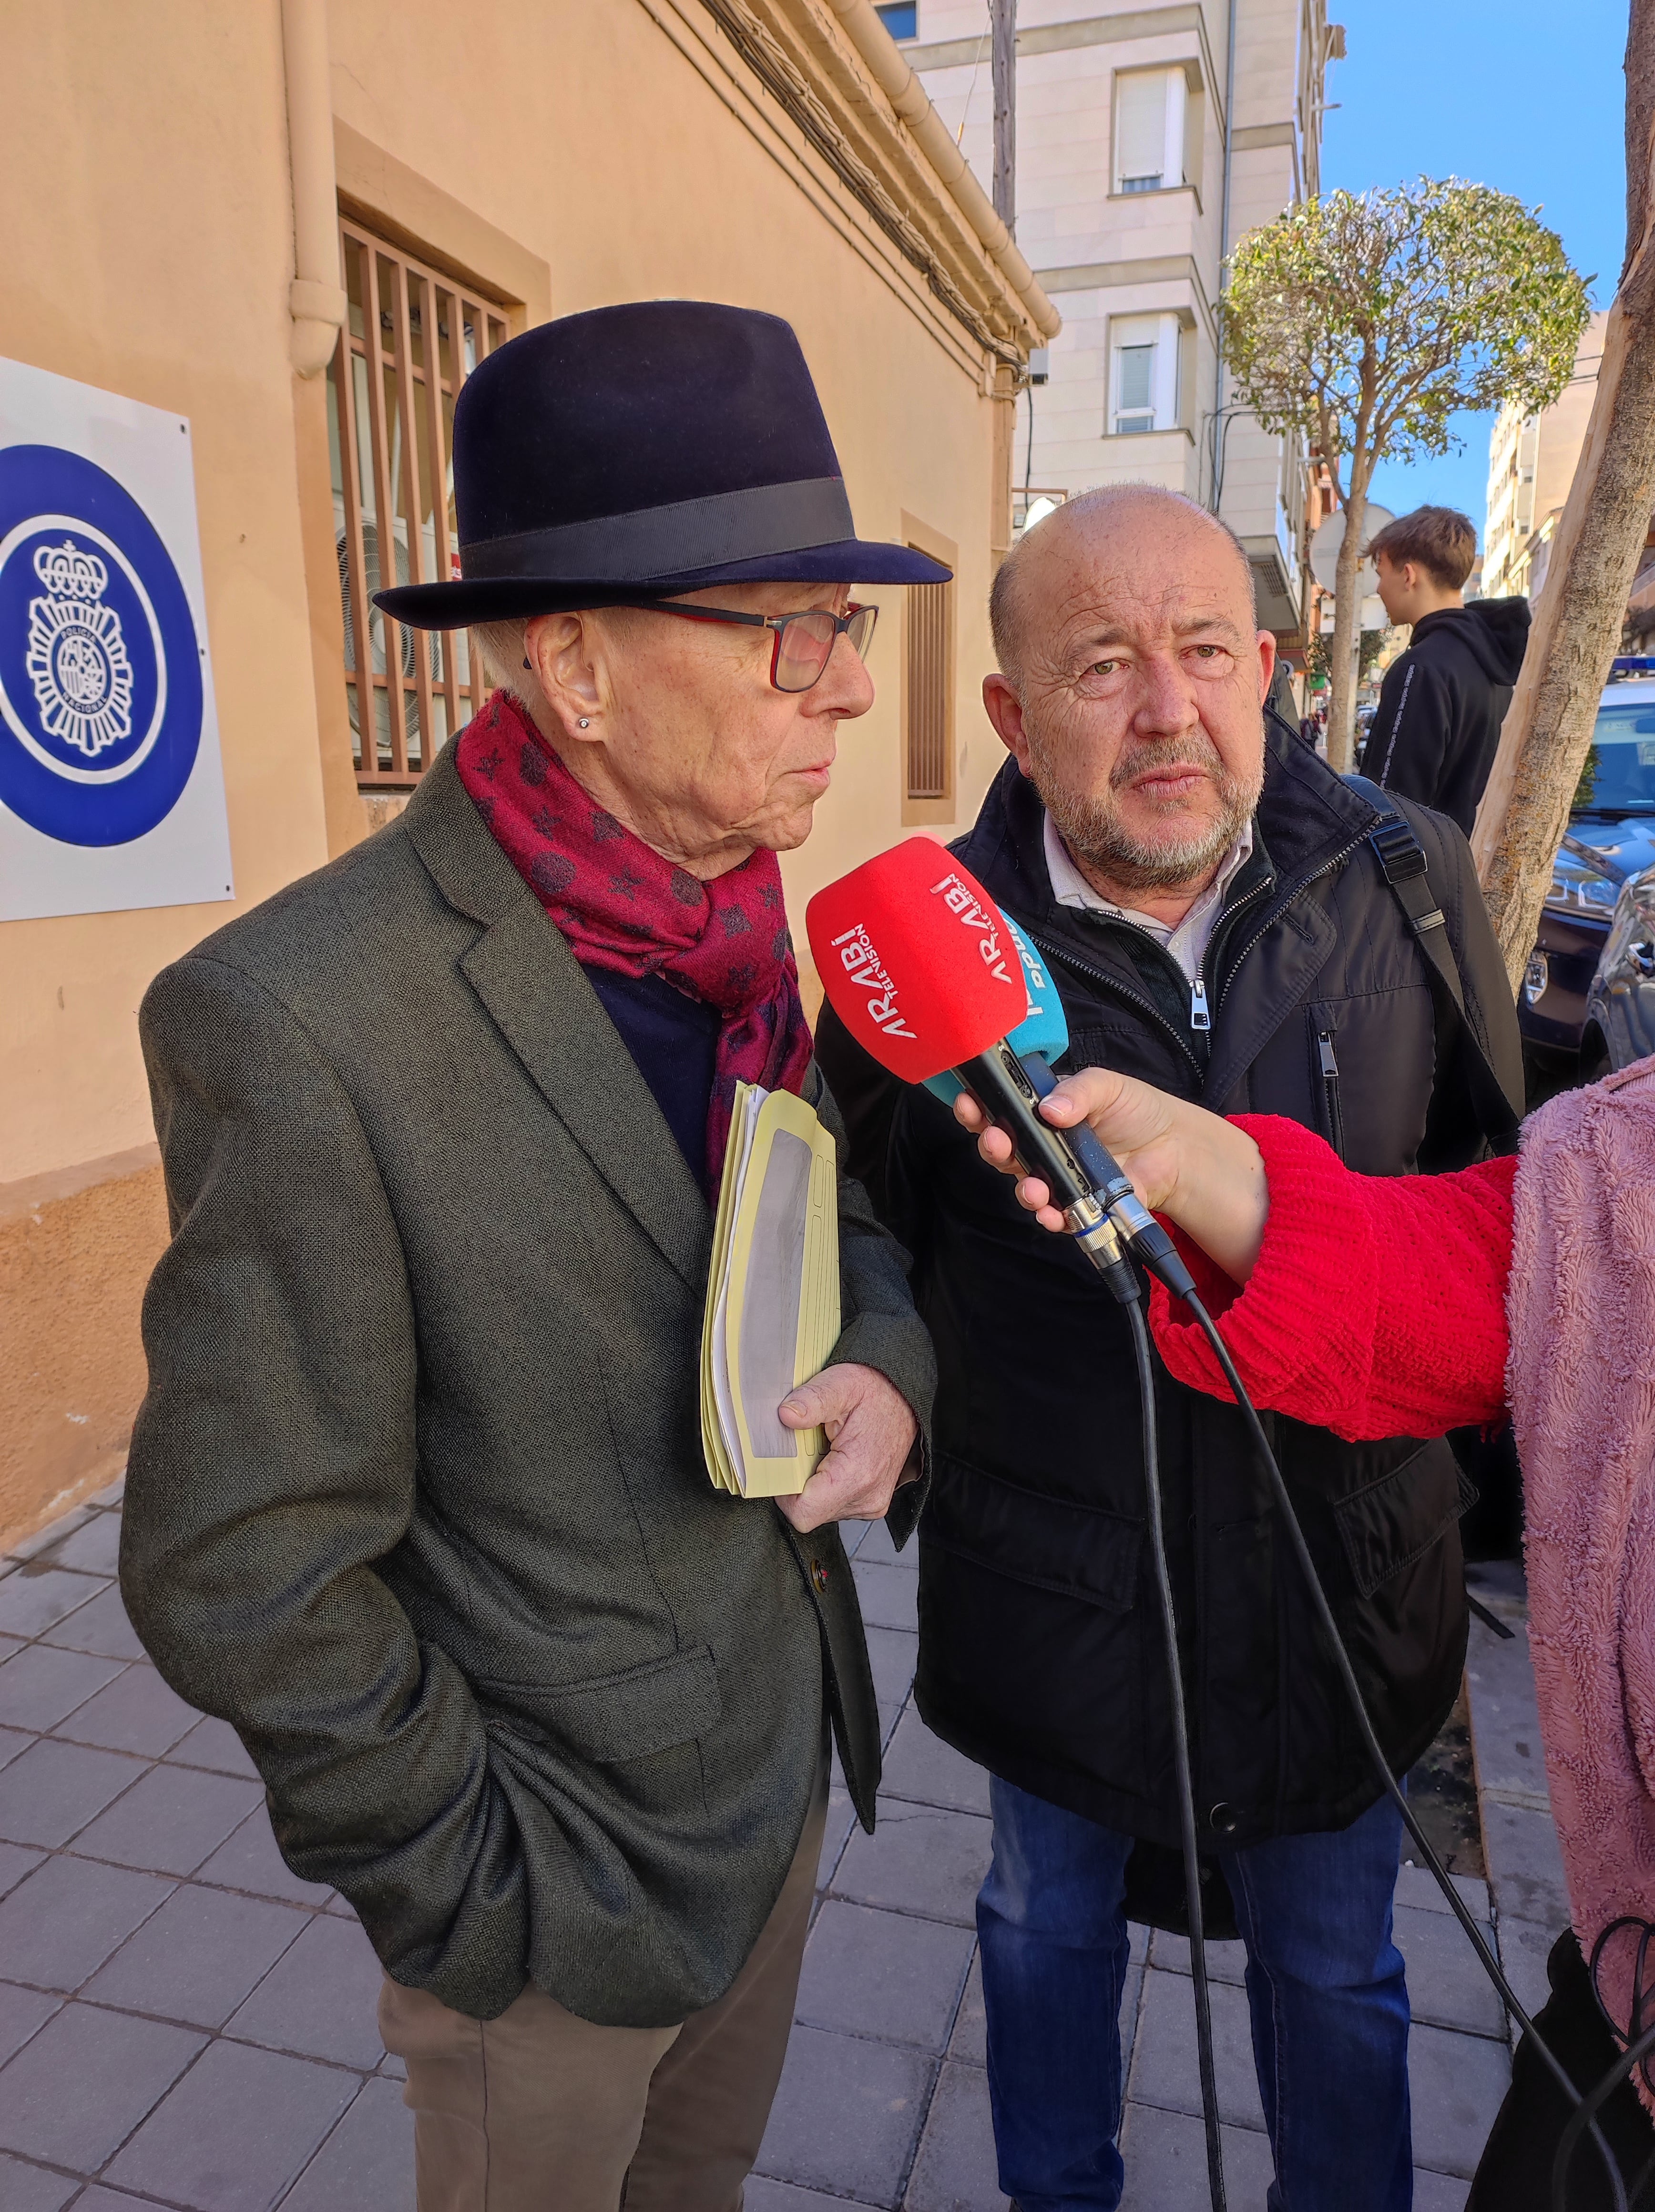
(1395, 1519)
(608, 1719)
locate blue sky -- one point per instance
(1526, 95)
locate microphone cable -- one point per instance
(1584, 2109)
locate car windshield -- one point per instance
(1619, 776)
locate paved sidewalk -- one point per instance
(182, 2023)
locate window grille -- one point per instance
(930, 687)
(411, 338)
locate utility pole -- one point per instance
(1003, 16)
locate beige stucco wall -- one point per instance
(150, 250)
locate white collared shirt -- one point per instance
(1186, 940)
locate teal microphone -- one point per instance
(1043, 1030)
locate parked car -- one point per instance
(1609, 842)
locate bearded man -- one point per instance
(1217, 921)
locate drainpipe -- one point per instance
(316, 299)
(908, 97)
(1223, 254)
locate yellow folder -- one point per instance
(773, 1297)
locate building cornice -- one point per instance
(1089, 31)
(811, 67)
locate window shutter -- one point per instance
(1139, 130)
(929, 678)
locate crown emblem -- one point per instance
(77, 660)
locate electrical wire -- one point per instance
(1203, 2023)
(1583, 2116)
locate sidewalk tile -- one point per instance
(761, 2195)
(917, 1860)
(100, 2199)
(1505, 1717)
(841, 1819)
(112, 1494)
(1225, 1962)
(215, 1745)
(170, 1820)
(968, 2044)
(1164, 2069)
(55, 1789)
(922, 1768)
(1457, 2082)
(137, 1712)
(41, 1683)
(1432, 2192)
(1446, 1984)
(14, 1742)
(1417, 1886)
(22, 2013)
(32, 2189)
(62, 1922)
(850, 1534)
(956, 2170)
(55, 1532)
(367, 2162)
(876, 1549)
(847, 2116)
(101, 1627)
(1525, 1947)
(1165, 2157)
(199, 1957)
(1525, 1866)
(15, 1863)
(35, 1599)
(882, 1974)
(85, 2081)
(892, 1653)
(94, 1548)
(235, 2131)
(320, 1999)
(251, 1861)
(889, 1596)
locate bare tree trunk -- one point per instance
(1548, 729)
(1347, 633)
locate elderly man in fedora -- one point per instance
(417, 1499)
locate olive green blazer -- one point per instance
(417, 1499)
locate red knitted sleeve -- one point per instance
(1378, 1305)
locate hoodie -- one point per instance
(1442, 703)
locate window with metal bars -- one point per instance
(929, 706)
(411, 340)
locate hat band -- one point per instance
(672, 541)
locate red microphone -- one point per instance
(917, 961)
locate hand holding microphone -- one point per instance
(923, 970)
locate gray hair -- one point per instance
(503, 646)
(1003, 610)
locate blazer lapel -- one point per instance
(522, 969)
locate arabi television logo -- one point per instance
(963, 901)
(110, 788)
(865, 971)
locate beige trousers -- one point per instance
(541, 2112)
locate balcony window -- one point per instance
(1143, 375)
(1149, 119)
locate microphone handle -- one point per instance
(1075, 1166)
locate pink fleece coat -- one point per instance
(1581, 1382)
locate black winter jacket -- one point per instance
(1442, 703)
(1040, 1652)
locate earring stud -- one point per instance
(585, 722)
(527, 662)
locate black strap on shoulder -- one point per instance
(1402, 860)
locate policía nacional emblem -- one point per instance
(76, 658)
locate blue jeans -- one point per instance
(1325, 1987)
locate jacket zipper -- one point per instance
(1072, 960)
(1282, 906)
(1329, 1068)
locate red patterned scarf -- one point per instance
(623, 906)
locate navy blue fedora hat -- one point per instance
(639, 450)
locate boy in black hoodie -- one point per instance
(1443, 700)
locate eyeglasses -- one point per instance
(804, 643)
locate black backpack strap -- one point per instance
(1402, 860)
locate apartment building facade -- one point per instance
(276, 238)
(1532, 463)
(1145, 150)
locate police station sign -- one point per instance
(111, 791)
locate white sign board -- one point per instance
(111, 790)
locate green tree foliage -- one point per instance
(1364, 322)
